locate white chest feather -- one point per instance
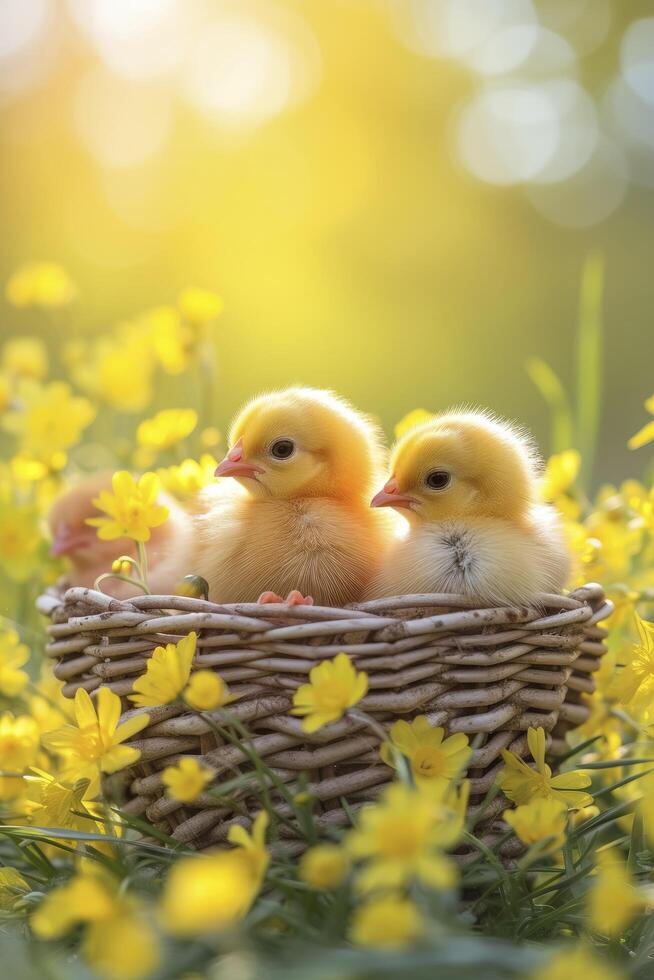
(493, 559)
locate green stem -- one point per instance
(589, 364)
(143, 566)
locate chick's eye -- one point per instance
(438, 479)
(282, 449)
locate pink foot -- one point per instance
(269, 597)
(296, 598)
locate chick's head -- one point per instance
(303, 442)
(461, 465)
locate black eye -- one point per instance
(438, 479)
(282, 449)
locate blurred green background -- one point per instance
(394, 199)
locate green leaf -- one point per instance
(47, 834)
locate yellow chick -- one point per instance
(300, 523)
(89, 557)
(467, 484)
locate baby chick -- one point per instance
(90, 557)
(467, 484)
(306, 463)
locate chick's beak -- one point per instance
(389, 497)
(235, 465)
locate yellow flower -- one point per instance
(417, 417)
(132, 508)
(12, 889)
(522, 784)
(44, 284)
(576, 962)
(539, 820)
(646, 434)
(577, 817)
(46, 801)
(403, 835)
(187, 779)
(389, 922)
(84, 899)
(199, 306)
(19, 743)
(206, 690)
(216, 889)
(117, 369)
(189, 476)
(56, 804)
(166, 674)
(324, 866)
(13, 656)
(560, 474)
(20, 537)
(210, 437)
(50, 422)
(208, 892)
(118, 942)
(430, 757)
(94, 743)
(252, 846)
(166, 428)
(334, 686)
(635, 684)
(615, 542)
(13, 788)
(25, 469)
(123, 948)
(25, 357)
(613, 901)
(172, 340)
(48, 707)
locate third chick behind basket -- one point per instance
(468, 485)
(300, 522)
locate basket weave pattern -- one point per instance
(486, 671)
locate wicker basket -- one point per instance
(487, 671)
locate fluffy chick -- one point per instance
(89, 557)
(467, 484)
(306, 463)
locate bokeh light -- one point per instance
(120, 125)
(509, 134)
(244, 68)
(530, 120)
(593, 193)
(26, 50)
(21, 22)
(637, 58)
(135, 38)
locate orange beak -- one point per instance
(389, 497)
(67, 541)
(235, 465)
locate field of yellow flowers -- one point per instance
(87, 891)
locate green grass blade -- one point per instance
(589, 363)
(556, 398)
